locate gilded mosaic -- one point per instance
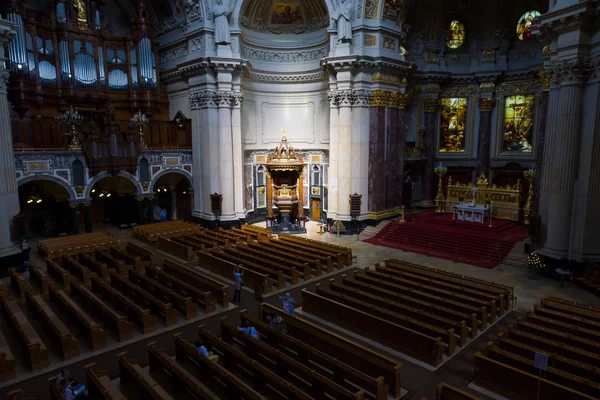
(518, 123)
(453, 124)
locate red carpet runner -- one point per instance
(442, 237)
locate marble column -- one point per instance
(376, 151)
(486, 105)
(238, 155)
(539, 151)
(87, 217)
(300, 195)
(399, 184)
(346, 100)
(9, 195)
(226, 157)
(562, 151)
(391, 150)
(432, 106)
(269, 195)
(332, 193)
(360, 149)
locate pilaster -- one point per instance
(486, 105)
(431, 110)
(332, 192)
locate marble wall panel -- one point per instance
(376, 159)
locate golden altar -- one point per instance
(285, 188)
(505, 199)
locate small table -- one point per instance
(562, 273)
(471, 214)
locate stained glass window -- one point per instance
(525, 23)
(456, 35)
(518, 123)
(453, 124)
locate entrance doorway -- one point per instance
(174, 195)
(44, 209)
(316, 209)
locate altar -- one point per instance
(470, 213)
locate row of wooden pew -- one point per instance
(55, 247)
(150, 233)
(268, 263)
(590, 280)
(567, 332)
(416, 310)
(81, 299)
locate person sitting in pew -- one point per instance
(276, 322)
(76, 390)
(249, 330)
(288, 304)
(204, 351)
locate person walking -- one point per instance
(163, 215)
(288, 304)
(237, 278)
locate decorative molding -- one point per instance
(285, 57)
(544, 80)
(197, 43)
(379, 98)
(432, 88)
(172, 53)
(286, 79)
(522, 54)
(333, 99)
(203, 99)
(488, 56)
(372, 9)
(370, 40)
(389, 43)
(570, 72)
(392, 99)
(486, 104)
(393, 79)
(431, 105)
(346, 98)
(431, 57)
(403, 100)
(3, 80)
(395, 10)
(519, 86)
(458, 91)
(413, 151)
(362, 97)
(487, 87)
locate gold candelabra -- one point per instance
(491, 211)
(73, 118)
(440, 201)
(529, 175)
(403, 212)
(140, 120)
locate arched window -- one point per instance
(78, 178)
(144, 170)
(457, 35)
(524, 24)
(316, 176)
(260, 176)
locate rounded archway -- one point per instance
(113, 201)
(44, 209)
(173, 193)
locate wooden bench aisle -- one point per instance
(173, 248)
(73, 244)
(345, 252)
(40, 277)
(131, 372)
(19, 282)
(146, 256)
(447, 392)
(100, 385)
(8, 364)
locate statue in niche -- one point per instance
(81, 15)
(344, 21)
(221, 13)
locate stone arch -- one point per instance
(52, 178)
(105, 174)
(180, 171)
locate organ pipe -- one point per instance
(16, 47)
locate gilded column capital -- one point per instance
(431, 104)
(403, 100)
(379, 98)
(392, 99)
(486, 104)
(544, 80)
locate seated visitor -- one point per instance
(277, 322)
(75, 390)
(249, 330)
(287, 304)
(204, 351)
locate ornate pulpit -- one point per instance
(285, 188)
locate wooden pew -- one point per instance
(559, 336)
(516, 384)
(135, 261)
(276, 276)
(111, 262)
(163, 293)
(571, 308)
(69, 345)
(36, 350)
(123, 328)
(204, 298)
(100, 386)
(440, 296)
(101, 269)
(181, 379)
(131, 372)
(302, 268)
(301, 376)
(421, 306)
(19, 282)
(318, 245)
(553, 323)
(344, 350)
(17, 394)
(56, 392)
(147, 256)
(566, 317)
(144, 318)
(194, 277)
(236, 388)
(446, 335)
(39, 276)
(8, 364)
(74, 244)
(312, 260)
(447, 392)
(426, 348)
(336, 257)
(97, 335)
(59, 273)
(259, 282)
(175, 249)
(252, 261)
(77, 270)
(144, 299)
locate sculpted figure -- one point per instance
(221, 12)
(344, 21)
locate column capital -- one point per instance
(569, 72)
(379, 98)
(346, 98)
(333, 99)
(544, 79)
(431, 104)
(362, 97)
(203, 99)
(486, 104)
(237, 99)
(403, 100)
(3, 80)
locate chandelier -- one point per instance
(140, 120)
(73, 118)
(34, 200)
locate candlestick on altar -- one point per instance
(491, 209)
(529, 175)
(440, 201)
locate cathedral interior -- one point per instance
(377, 159)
